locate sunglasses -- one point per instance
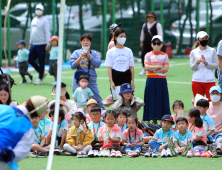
(159, 43)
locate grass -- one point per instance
(179, 85)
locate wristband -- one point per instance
(88, 55)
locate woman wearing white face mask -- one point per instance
(85, 61)
(215, 110)
(156, 97)
(120, 62)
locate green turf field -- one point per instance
(179, 84)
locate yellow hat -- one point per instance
(91, 101)
(62, 91)
(39, 102)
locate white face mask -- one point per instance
(121, 41)
(81, 128)
(215, 98)
(86, 48)
(156, 48)
(38, 12)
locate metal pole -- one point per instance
(9, 39)
(53, 17)
(104, 29)
(113, 11)
(58, 86)
(207, 17)
(0, 35)
(161, 15)
(198, 16)
(152, 5)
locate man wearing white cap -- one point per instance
(16, 130)
(39, 42)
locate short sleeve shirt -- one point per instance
(198, 132)
(133, 138)
(182, 139)
(219, 48)
(54, 53)
(123, 127)
(38, 134)
(23, 55)
(216, 114)
(45, 124)
(208, 123)
(94, 127)
(82, 95)
(60, 127)
(174, 127)
(159, 136)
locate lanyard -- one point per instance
(132, 136)
(58, 128)
(109, 130)
(176, 122)
(192, 129)
(183, 135)
(162, 135)
(97, 129)
(36, 133)
(204, 117)
(78, 136)
(43, 126)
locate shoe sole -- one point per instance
(155, 156)
(147, 155)
(189, 156)
(163, 156)
(90, 156)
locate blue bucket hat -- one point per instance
(215, 88)
(21, 42)
(168, 118)
(126, 87)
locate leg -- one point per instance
(154, 145)
(22, 70)
(87, 148)
(147, 139)
(32, 57)
(41, 57)
(69, 148)
(127, 148)
(207, 87)
(4, 165)
(197, 88)
(137, 148)
(37, 147)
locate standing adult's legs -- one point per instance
(32, 57)
(197, 88)
(41, 57)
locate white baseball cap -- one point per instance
(157, 37)
(40, 6)
(201, 34)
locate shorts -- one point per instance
(53, 67)
(83, 107)
(23, 67)
(135, 148)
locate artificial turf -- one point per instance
(179, 80)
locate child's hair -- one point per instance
(179, 102)
(84, 76)
(196, 113)
(95, 109)
(203, 103)
(118, 32)
(29, 106)
(111, 112)
(63, 85)
(179, 119)
(120, 112)
(61, 113)
(80, 117)
(5, 87)
(134, 118)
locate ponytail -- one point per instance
(80, 117)
(197, 44)
(110, 37)
(198, 122)
(196, 113)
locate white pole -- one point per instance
(58, 85)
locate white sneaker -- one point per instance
(79, 154)
(113, 153)
(84, 154)
(107, 153)
(168, 152)
(38, 81)
(154, 154)
(118, 154)
(164, 153)
(143, 72)
(91, 153)
(102, 153)
(96, 153)
(54, 83)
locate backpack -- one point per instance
(148, 127)
(4, 79)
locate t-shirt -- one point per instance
(60, 127)
(45, 124)
(174, 127)
(38, 134)
(133, 138)
(111, 44)
(208, 123)
(54, 53)
(159, 136)
(82, 95)
(216, 114)
(198, 132)
(94, 127)
(23, 55)
(182, 140)
(154, 59)
(119, 59)
(105, 132)
(123, 127)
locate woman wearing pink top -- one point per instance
(112, 30)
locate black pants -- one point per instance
(120, 78)
(145, 50)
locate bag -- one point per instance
(148, 127)
(4, 79)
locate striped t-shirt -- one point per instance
(133, 138)
(105, 132)
(198, 132)
(154, 59)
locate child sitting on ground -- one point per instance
(96, 123)
(177, 106)
(45, 123)
(39, 147)
(208, 122)
(89, 105)
(197, 128)
(62, 127)
(128, 103)
(79, 137)
(82, 94)
(162, 138)
(121, 120)
(182, 138)
(110, 134)
(132, 137)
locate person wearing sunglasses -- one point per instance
(156, 97)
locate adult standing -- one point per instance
(112, 30)
(120, 61)
(149, 29)
(85, 61)
(219, 70)
(39, 42)
(203, 59)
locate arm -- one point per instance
(152, 68)
(142, 36)
(75, 99)
(47, 31)
(141, 142)
(215, 63)
(124, 142)
(216, 132)
(159, 29)
(63, 138)
(76, 59)
(42, 141)
(94, 59)
(48, 137)
(163, 70)
(193, 63)
(196, 138)
(109, 69)
(132, 74)
(115, 140)
(176, 145)
(88, 139)
(64, 104)
(219, 61)
(209, 132)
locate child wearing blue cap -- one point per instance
(22, 55)
(128, 103)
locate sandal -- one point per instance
(187, 148)
(172, 149)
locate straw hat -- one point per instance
(151, 14)
(41, 102)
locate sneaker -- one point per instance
(218, 146)
(102, 153)
(67, 153)
(131, 154)
(113, 153)
(41, 154)
(34, 154)
(148, 153)
(31, 78)
(96, 153)
(106, 153)
(45, 74)
(208, 154)
(189, 154)
(203, 154)
(143, 72)
(118, 154)
(168, 152)
(54, 83)
(79, 154)
(172, 149)
(213, 153)
(91, 153)
(84, 154)
(196, 153)
(154, 153)
(176, 152)
(163, 153)
(23, 82)
(38, 81)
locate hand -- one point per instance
(214, 133)
(204, 60)
(141, 44)
(81, 148)
(181, 150)
(61, 102)
(82, 56)
(193, 100)
(29, 47)
(109, 139)
(112, 85)
(132, 84)
(133, 144)
(160, 66)
(47, 48)
(87, 52)
(161, 148)
(75, 147)
(199, 60)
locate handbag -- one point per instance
(5, 78)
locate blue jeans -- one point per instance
(135, 148)
(155, 145)
(37, 51)
(217, 136)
